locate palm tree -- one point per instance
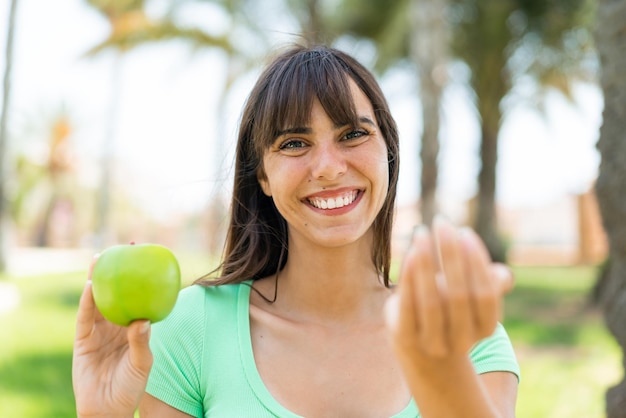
(3, 129)
(130, 28)
(503, 41)
(610, 186)
(124, 17)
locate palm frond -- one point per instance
(135, 29)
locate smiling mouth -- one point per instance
(334, 202)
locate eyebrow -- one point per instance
(307, 130)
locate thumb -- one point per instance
(139, 346)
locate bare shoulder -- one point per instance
(502, 389)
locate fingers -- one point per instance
(485, 293)
(504, 277)
(450, 290)
(400, 313)
(139, 346)
(408, 314)
(457, 292)
(94, 260)
(428, 297)
(87, 311)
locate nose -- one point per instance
(328, 163)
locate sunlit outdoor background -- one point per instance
(119, 120)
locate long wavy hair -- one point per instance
(257, 240)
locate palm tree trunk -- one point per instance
(610, 186)
(486, 221)
(3, 131)
(486, 55)
(429, 44)
(42, 233)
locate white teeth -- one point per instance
(334, 203)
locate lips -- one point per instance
(334, 202)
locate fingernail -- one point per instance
(145, 327)
(442, 225)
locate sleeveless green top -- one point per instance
(204, 364)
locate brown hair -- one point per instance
(256, 242)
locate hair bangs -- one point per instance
(332, 88)
(294, 87)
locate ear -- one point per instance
(263, 182)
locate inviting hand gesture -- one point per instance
(111, 363)
(448, 299)
(449, 293)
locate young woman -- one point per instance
(302, 320)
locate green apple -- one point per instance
(135, 282)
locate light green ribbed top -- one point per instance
(204, 364)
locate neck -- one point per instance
(331, 285)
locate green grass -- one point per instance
(567, 357)
(36, 349)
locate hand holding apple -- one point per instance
(110, 363)
(135, 282)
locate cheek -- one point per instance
(384, 187)
(380, 170)
(277, 183)
(382, 176)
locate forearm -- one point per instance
(105, 415)
(447, 388)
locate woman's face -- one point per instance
(329, 182)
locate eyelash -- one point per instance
(352, 135)
(288, 144)
(357, 133)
